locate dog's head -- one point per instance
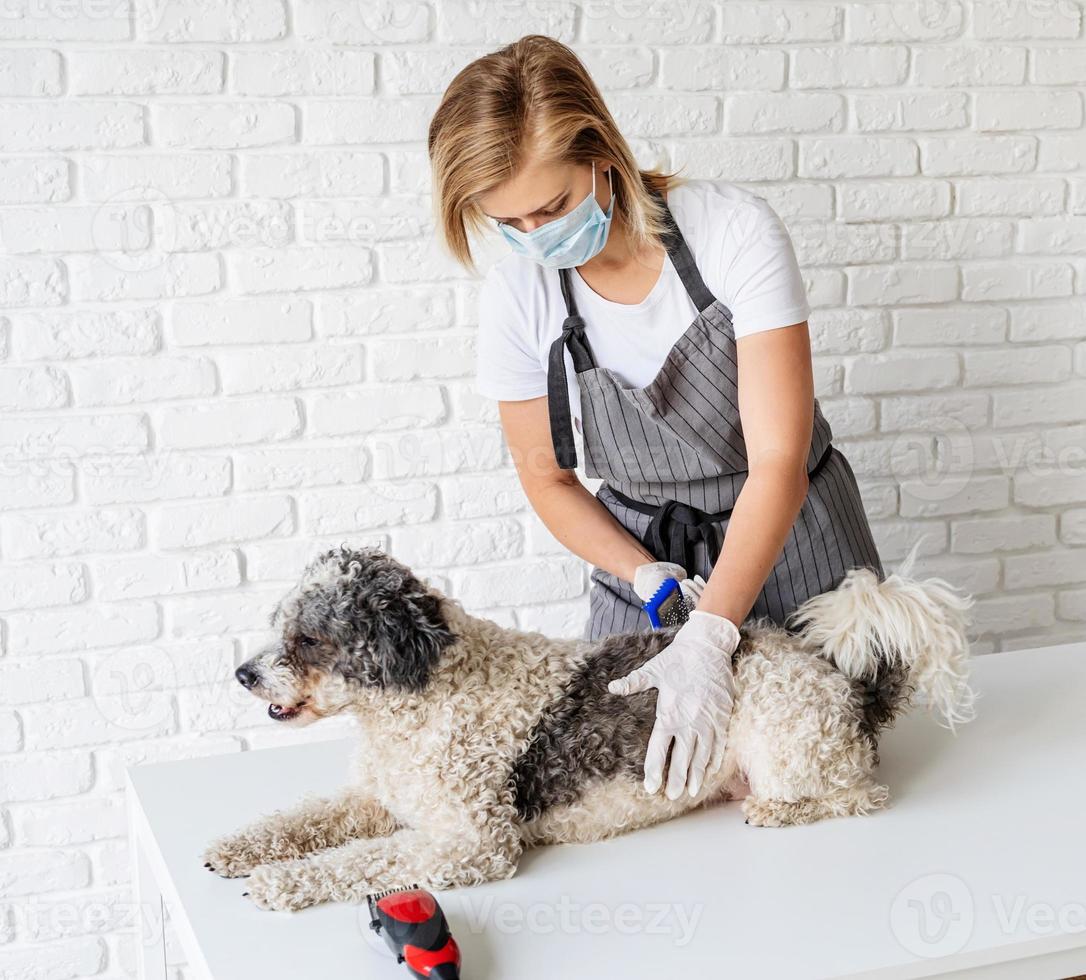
(357, 623)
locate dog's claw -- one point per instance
(230, 857)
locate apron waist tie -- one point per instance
(676, 528)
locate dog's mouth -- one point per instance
(283, 712)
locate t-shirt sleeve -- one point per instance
(507, 367)
(763, 283)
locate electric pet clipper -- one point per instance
(667, 607)
(415, 929)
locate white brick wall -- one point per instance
(228, 338)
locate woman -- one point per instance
(666, 321)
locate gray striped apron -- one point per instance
(673, 461)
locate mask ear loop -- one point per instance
(610, 183)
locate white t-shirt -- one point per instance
(741, 248)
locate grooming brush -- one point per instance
(414, 928)
(667, 607)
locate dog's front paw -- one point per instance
(232, 856)
(763, 813)
(283, 887)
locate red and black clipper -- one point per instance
(415, 930)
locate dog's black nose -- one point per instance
(246, 676)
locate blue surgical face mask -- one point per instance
(570, 240)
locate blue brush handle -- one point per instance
(667, 607)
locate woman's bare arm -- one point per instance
(776, 405)
(571, 513)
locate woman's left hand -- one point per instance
(695, 690)
(692, 588)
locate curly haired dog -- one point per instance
(477, 741)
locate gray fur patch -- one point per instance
(589, 733)
(880, 701)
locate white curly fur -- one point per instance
(921, 625)
(428, 798)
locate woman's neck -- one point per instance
(616, 259)
(619, 276)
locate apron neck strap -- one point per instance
(681, 257)
(567, 291)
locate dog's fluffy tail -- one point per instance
(909, 628)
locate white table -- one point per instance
(978, 869)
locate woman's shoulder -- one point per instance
(512, 274)
(512, 295)
(708, 206)
(716, 192)
(744, 253)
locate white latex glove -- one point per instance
(695, 689)
(649, 577)
(692, 589)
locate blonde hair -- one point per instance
(536, 96)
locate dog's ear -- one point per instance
(387, 623)
(406, 640)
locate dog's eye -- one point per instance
(307, 641)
